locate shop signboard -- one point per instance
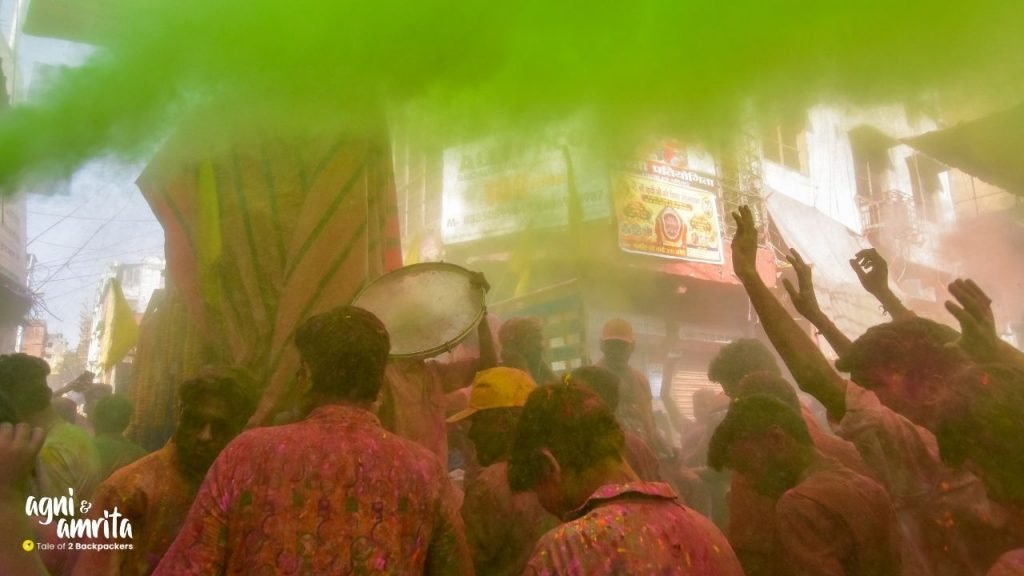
(667, 211)
(492, 188)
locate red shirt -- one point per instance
(634, 528)
(950, 526)
(837, 523)
(752, 515)
(154, 496)
(502, 527)
(333, 494)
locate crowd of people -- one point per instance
(900, 458)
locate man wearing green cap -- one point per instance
(502, 527)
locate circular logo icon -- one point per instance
(28, 545)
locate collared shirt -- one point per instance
(634, 528)
(502, 527)
(413, 400)
(837, 523)
(949, 525)
(152, 494)
(751, 526)
(332, 494)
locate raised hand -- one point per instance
(977, 323)
(744, 244)
(804, 300)
(19, 445)
(872, 270)
(478, 279)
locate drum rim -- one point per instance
(450, 344)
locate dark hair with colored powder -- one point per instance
(23, 382)
(346, 351)
(918, 348)
(754, 416)
(570, 421)
(739, 358)
(767, 384)
(230, 384)
(601, 381)
(515, 331)
(112, 414)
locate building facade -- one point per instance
(138, 282)
(552, 232)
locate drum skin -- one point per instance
(427, 308)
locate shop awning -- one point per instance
(828, 246)
(988, 148)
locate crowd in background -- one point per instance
(900, 458)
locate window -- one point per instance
(926, 185)
(783, 143)
(871, 166)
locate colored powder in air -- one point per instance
(455, 69)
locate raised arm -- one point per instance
(805, 361)
(873, 272)
(806, 303)
(19, 445)
(488, 355)
(978, 325)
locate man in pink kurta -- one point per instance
(332, 494)
(634, 528)
(568, 450)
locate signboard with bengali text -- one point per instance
(669, 212)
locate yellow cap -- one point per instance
(500, 387)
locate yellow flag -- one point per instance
(120, 333)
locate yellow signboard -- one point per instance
(668, 215)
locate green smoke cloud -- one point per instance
(235, 69)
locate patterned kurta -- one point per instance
(333, 494)
(634, 528)
(154, 496)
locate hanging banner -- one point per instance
(668, 212)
